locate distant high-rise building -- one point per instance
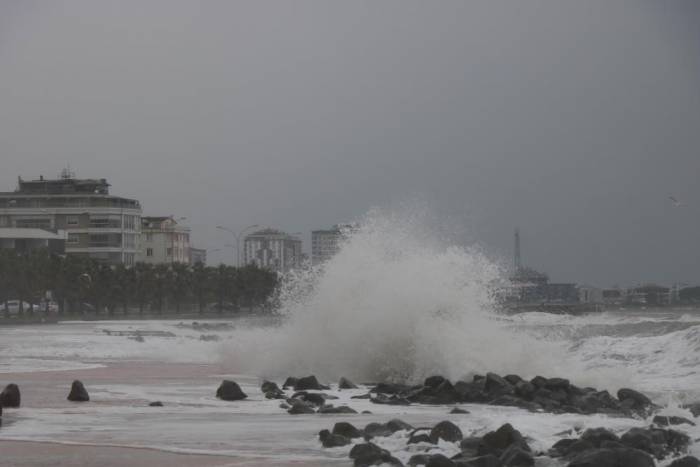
(272, 249)
(163, 240)
(97, 225)
(326, 243)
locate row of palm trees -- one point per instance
(80, 284)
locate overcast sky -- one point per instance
(574, 120)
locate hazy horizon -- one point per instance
(574, 121)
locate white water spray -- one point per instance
(395, 304)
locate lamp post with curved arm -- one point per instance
(237, 237)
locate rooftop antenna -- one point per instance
(66, 173)
(516, 253)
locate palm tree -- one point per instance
(181, 283)
(201, 288)
(144, 277)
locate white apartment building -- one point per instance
(97, 224)
(272, 249)
(326, 243)
(163, 240)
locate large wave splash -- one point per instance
(395, 303)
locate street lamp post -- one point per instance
(237, 237)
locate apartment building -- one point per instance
(98, 225)
(272, 249)
(326, 243)
(164, 240)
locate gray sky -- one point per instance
(573, 120)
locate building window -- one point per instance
(34, 223)
(110, 222)
(72, 221)
(169, 252)
(149, 252)
(149, 237)
(99, 240)
(73, 238)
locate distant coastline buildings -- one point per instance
(272, 249)
(326, 243)
(97, 225)
(163, 240)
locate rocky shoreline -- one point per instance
(506, 446)
(660, 439)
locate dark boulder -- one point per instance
(554, 384)
(598, 402)
(78, 393)
(469, 392)
(391, 388)
(438, 460)
(612, 445)
(434, 381)
(638, 438)
(516, 456)
(418, 459)
(345, 383)
(397, 425)
(496, 442)
(268, 386)
(598, 435)
(329, 440)
(300, 407)
(367, 454)
(10, 396)
(344, 409)
(514, 401)
(346, 429)
(664, 420)
(561, 447)
(525, 389)
(482, 461)
(634, 400)
(457, 410)
(289, 382)
(156, 404)
(470, 446)
(306, 383)
(513, 379)
(497, 386)
(538, 381)
(441, 392)
(581, 445)
(447, 431)
(230, 391)
(688, 461)
(374, 429)
(393, 399)
(311, 397)
(626, 457)
(419, 438)
(275, 394)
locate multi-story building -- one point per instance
(25, 240)
(198, 256)
(326, 243)
(98, 225)
(272, 249)
(163, 240)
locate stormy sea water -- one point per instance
(395, 304)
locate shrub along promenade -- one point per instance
(82, 286)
